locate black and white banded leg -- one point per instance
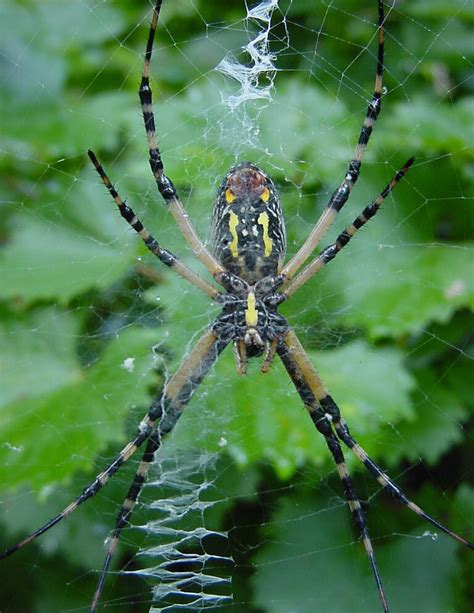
(160, 419)
(330, 252)
(326, 416)
(164, 183)
(175, 396)
(301, 372)
(165, 256)
(342, 193)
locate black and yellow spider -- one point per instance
(248, 265)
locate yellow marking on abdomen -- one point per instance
(267, 241)
(251, 315)
(229, 196)
(233, 223)
(265, 196)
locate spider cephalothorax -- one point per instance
(249, 247)
(249, 319)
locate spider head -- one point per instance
(248, 235)
(252, 323)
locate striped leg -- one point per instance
(330, 252)
(177, 392)
(164, 184)
(126, 510)
(151, 243)
(165, 411)
(340, 196)
(331, 412)
(343, 433)
(304, 379)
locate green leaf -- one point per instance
(102, 396)
(454, 129)
(314, 116)
(435, 425)
(37, 353)
(311, 563)
(55, 263)
(462, 510)
(399, 291)
(70, 130)
(440, 8)
(78, 243)
(37, 40)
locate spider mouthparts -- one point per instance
(253, 343)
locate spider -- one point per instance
(248, 264)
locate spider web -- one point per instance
(91, 326)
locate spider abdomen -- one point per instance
(249, 238)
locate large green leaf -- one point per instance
(413, 287)
(55, 263)
(101, 395)
(437, 425)
(37, 353)
(311, 563)
(393, 292)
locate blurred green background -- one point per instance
(388, 324)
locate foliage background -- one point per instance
(389, 325)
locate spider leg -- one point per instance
(342, 193)
(126, 510)
(343, 433)
(151, 243)
(332, 413)
(164, 184)
(189, 373)
(164, 412)
(330, 252)
(305, 380)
